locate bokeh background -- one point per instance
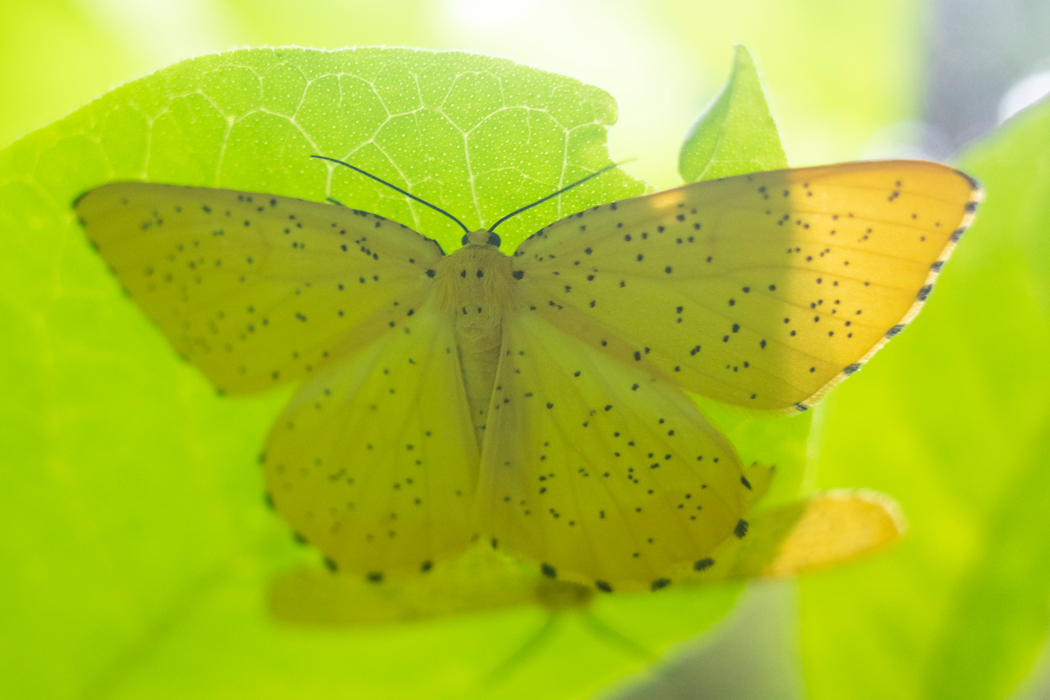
(845, 81)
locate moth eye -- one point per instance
(494, 240)
(466, 238)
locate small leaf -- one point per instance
(736, 133)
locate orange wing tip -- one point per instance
(969, 213)
(837, 527)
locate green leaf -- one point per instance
(952, 419)
(735, 134)
(138, 551)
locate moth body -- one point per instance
(475, 291)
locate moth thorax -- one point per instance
(475, 285)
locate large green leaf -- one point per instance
(953, 420)
(139, 549)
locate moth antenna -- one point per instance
(492, 228)
(395, 188)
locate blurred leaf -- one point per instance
(807, 534)
(736, 133)
(52, 59)
(953, 420)
(141, 549)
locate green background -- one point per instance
(136, 550)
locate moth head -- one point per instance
(481, 237)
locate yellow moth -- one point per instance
(536, 402)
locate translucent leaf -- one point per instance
(143, 548)
(735, 134)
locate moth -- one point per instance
(537, 400)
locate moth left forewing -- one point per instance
(256, 289)
(599, 473)
(761, 290)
